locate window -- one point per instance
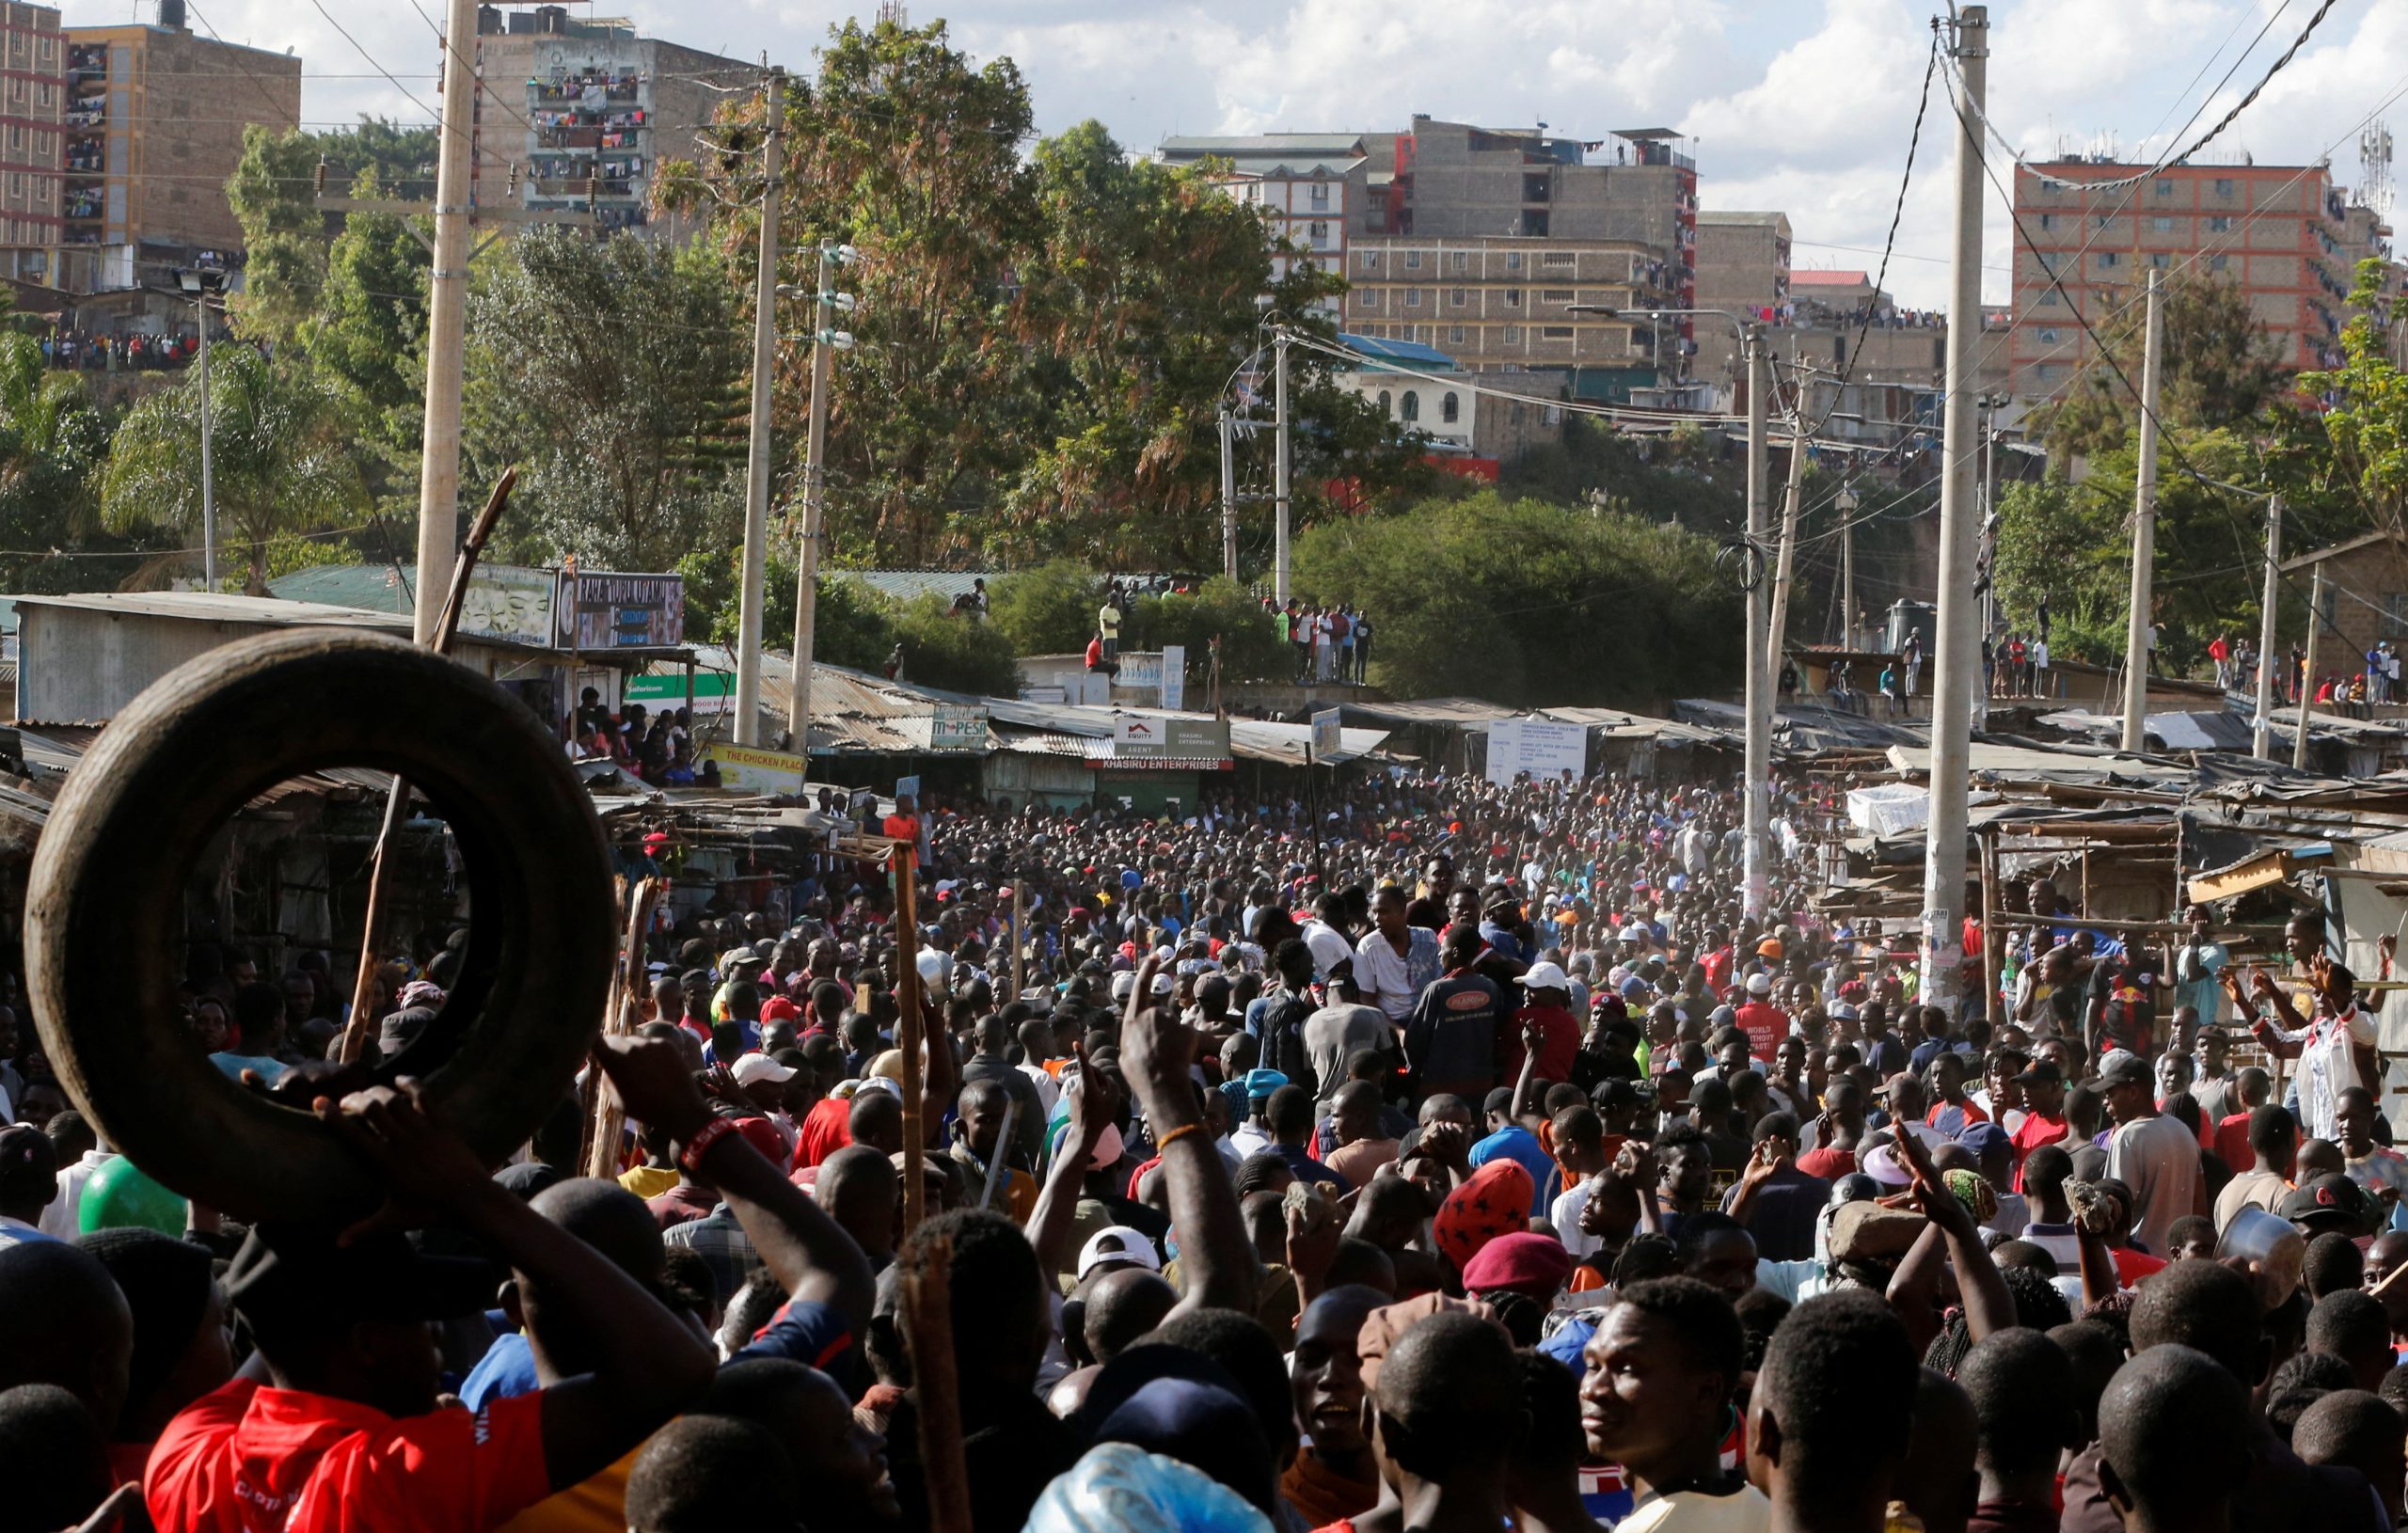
(2220, 224)
(1557, 258)
(1371, 260)
(1457, 297)
(2048, 337)
(1554, 296)
(1450, 410)
(1513, 260)
(1321, 194)
(2047, 220)
(1413, 261)
(1412, 405)
(2223, 187)
(1534, 185)
(1555, 332)
(2165, 186)
(2050, 372)
(2163, 226)
(2217, 264)
(2102, 221)
(1511, 335)
(2161, 260)
(1384, 402)
(2049, 299)
(1456, 261)
(1512, 297)
(2109, 260)
(1318, 233)
(1412, 297)
(1368, 298)
(1454, 336)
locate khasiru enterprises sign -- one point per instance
(1153, 742)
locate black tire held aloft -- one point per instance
(105, 907)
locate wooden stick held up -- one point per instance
(606, 1116)
(397, 803)
(910, 1029)
(927, 1326)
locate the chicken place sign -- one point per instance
(1149, 740)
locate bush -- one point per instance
(1049, 609)
(953, 651)
(1250, 646)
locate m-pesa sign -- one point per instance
(1150, 737)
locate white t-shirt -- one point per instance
(1689, 1511)
(1329, 946)
(1564, 1214)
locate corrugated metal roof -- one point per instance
(374, 588)
(1614, 724)
(1433, 710)
(222, 606)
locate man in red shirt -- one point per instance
(1765, 1023)
(1550, 1011)
(347, 1433)
(2044, 1112)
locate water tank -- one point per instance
(171, 15)
(551, 21)
(1911, 617)
(488, 21)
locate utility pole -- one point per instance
(1844, 503)
(1957, 669)
(2136, 627)
(826, 341)
(203, 282)
(2262, 747)
(1280, 569)
(1756, 851)
(1788, 538)
(2308, 681)
(756, 461)
(1229, 494)
(439, 473)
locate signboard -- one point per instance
(749, 770)
(510, 601)
(958, 726)
(1537, 747)
(1141, 671)
(1326, 736)
(907, 787)
(1174, 676)
(1145, 738)
(714, 691)
(603, 610)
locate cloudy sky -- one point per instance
(1801, 105)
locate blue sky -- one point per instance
(1801, 105)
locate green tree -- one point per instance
(367, 330)
(2221, 369)
(51, 443)
(1047, 609)
(284, 261)
(2368, 427)
(282, 448)
(953, 651)
(613, 371)
(1251, 649)
(1522, 602)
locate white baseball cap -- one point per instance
(1117, 1244)
(1760, 984)
(757, 1067)
(1546, 976)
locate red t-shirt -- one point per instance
(249, 1459)
(1829, 1165)
(2029, 1134)
(1559, 1042)
(2232, 1146)
(1717, 969)
(1766, 1025)
(826, 1129)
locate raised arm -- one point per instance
(1050, 1224)
(1988, 1306)
(1222, 1270)
(807, 1251)
(648, 1365)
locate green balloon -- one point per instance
(120, 1197)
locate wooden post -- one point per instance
(606, 1116)
(1991, 934)
(908, 1029)
(927, 1326)
(397, 806)
(1020, 942)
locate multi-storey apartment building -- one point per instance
(33, 140)
(1307, 185)
(585, 112)
(155, 120)
(2275, 231)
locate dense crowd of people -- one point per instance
(1467, 1157)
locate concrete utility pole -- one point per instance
(1756, 851)
(1281, 569)
(1788, 539)
(756, 461)
(446, 309)
(2262, 746)
(824, 343)
(2136, 627)
(1229, 494)
(1956, 671)
(2308, 681)
(1845, 506)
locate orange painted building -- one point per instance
(2275, 231)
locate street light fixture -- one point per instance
(201, 284)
